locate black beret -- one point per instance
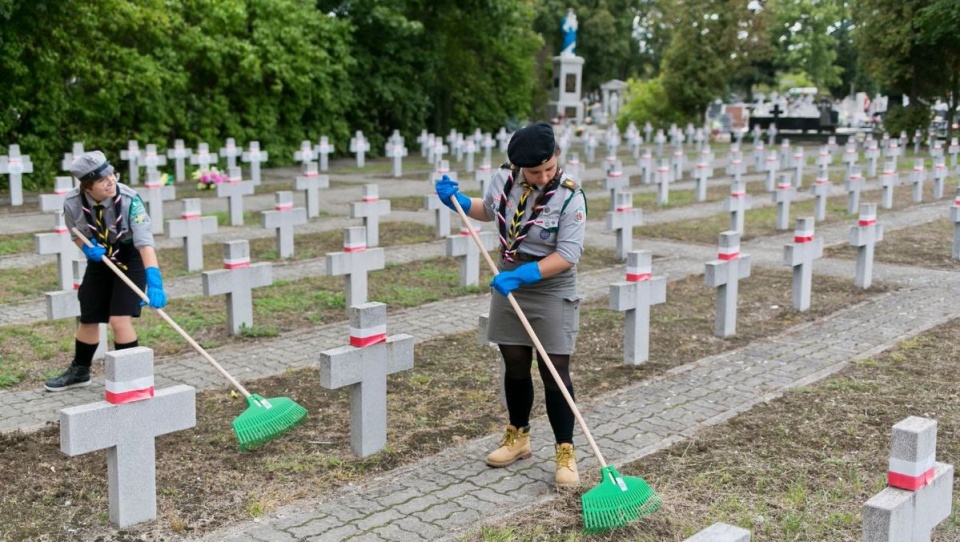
(532, 145)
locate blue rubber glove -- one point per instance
(158, 298)
(508, 281)
(93, 253)
(447, 188)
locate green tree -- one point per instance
(805, 31)
(647, 102)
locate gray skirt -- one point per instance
(552, 306)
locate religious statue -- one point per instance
(569, 28)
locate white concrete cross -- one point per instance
(502, 139)
(663, 183)
(179, 154)
(759, 156)
(231, 151)
(737, 204)
(132, 155)
(360, 147)
(487, 144)
(370, 208)
(353, 263)
(191, 227)
(676, 165)
(782, 197)
(441, 214)
(724, 274)
(151, 161)
(853, 185)
(53, 203)
(634, 297)
(864, 236)
(422, 142)
(363, 366)
(306, 155)
(771, 166)
(799, 161)
(873, 154)
(254, 156)
(69, 157)
(282, 219)
(465, 249)
(892, 151)
(484, 173)
(442, 168)
(800, 255)
(15, 165)
(590, 145)
(203, 158)
(721, 532)
(234, 189)
(469, 150)
(646, 165)
(310, 184)
(64, 303)
(60, 243)
(237, 280)
(126, 424)
(659, 139)
(615, 181)
(324, 149)
(396, 152)
(888, 180)
(622, 219)
(917, 179)
(919, 495)
(155, 193)
(939, 176)
(821, 191)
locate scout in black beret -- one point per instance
(532, 145)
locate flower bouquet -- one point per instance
(208, 179)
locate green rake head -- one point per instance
(266, 419)
(617, 501)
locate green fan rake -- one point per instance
(617, 500)
(264, 419)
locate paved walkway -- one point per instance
(447, 495)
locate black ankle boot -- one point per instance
(74, 377)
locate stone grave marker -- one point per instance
(254, 156)
(850, 156)
(237, 280)
(441, 214)
(396, 153)
(737, 204)
(360, 147)
(310, 183)
(873, 154)
(306, 155)
(919, 495)
(799, 255)
(646, 165)
(590, 144)
(151, 161)
(126, 424)
(132, 156)
(234, 189)
(799, 162)
(759, 156)
(888, 180)
(324, 149)
(615, 181)
(484, 173)
(370, 208)
(353, 263)
(771, 167)
(469, 150)
(465, 249)
(659, 139)
(703, 171)
(231, 152)
(676, 165)
(59, 242)
(634, 297)
(864, 236)
(363, 366)
(155, 193)
(14, 165)
(663, 183)
(721, 532)
(282, 219)
(782, 197)
(821, 191)
(622, 219)
(68, 157)
(203, 158)
(724, 274)
(191, 227)
(939, 176)
(853, 185)
(917, 178)
(179, 154)
(53, 203)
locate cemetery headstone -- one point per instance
(14, 165)
(132, 156)
(864, 236)
(363, 366)
(155, 193)
(283, 218)
(360, 147)
(370, 208)
(353, 263)
(737, 205)
(622, 219)
(231, 152)
(179, 154)
(799, 255)
(634, 297)
(465, 249)
(191, 227)
(254, 156)
(234, 189)
(324, 149)
(721, 532)
(724, 274)
(310, 184)
(237, 280)
(203, 158)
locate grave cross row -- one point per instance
(283, 218)
(191, 227)
(800, 255)
(237, 280)
(354, 262)
(635, 296)
(724, 274)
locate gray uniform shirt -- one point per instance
(559, 228)
(136, 221)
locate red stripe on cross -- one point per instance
(128, 396)
(236, 264)
(910, 483)
(370, 198)
(802, 238)
(355, 248)
(637, 277)
(283, 206)
(867, 221)
(367, 336)
(188, 216)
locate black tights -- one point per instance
(518, 388)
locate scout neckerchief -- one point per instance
(513, 234)
(98, 226)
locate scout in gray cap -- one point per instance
(113, 218)
(542, 223)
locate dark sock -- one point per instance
(560, 415)
(83, 353)
(519, 400)
(124, 346)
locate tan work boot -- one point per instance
(515, 445)
(567, 474)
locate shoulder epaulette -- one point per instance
(568, 183)
(506, 165)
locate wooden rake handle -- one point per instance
(196, 346)
(533, 336)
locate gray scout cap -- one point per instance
(91, 166)
(531, 145)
